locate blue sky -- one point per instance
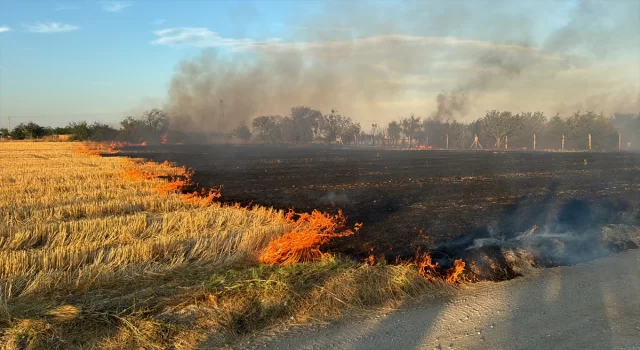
(103, 65)
(100, 61)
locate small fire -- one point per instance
(173, 186)
(302, 243)
(371, 259)
(433, 271)
(164, 139)
(95, 149)
(454, 274)
(143, 143)
(136, 174)
(426, 267)
(203, 198)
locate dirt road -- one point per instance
(595, 305)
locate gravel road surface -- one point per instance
(595, 305)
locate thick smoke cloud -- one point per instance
(375, 62)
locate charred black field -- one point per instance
(442, 201)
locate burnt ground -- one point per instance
(410, 199)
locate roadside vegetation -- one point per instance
(114, 253)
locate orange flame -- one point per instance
(432, 271)
(164, 139)
(371, 259)
(455, 273)
(426, 267)
(95, 149)
(136, 174)
(178, 182)
(302, 243)
(173, 186)
(202, 199)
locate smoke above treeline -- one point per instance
(375, 62)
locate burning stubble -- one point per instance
(434, 59)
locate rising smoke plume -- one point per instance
(375, 62)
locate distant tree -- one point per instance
(305, 123)
(130, 124)
(19, 133)
(363, 137)
(379, 137)
(553, 131)
(603, 134)
(287, 130)
(394, 130)
(156, 120)
(102, 132)
(498, 125)
(332, 125)
(434, 130)
(267, 128)
(531, 124)
(350, 132)
(457, 132)
(4, 132)
(62, 131)
(33, 130)
(149, 127)
(242, 132)
(79, 130)
(132, 129)
(410, 126)
(49, 131)
(30, 130)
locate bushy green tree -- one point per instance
(19, 133)
(33, 130)
(79, 130)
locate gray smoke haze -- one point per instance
(378, 61)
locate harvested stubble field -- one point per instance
(109, 253)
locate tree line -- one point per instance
(150, 126)
(496, 129)
(304, 125)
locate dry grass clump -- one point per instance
(326, 289)
(109, 253)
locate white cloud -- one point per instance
(204, 37)
(66, 7)
(326, 29)
(4, 29)
(198, 37)
(51, 27)
(115, 6)
(158, 21)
